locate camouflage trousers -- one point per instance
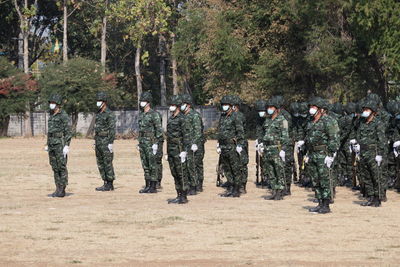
(372, 175)
(245, 162)
(231, 164)
(59, 164)
(178, 169)
(289, 165)
(194, 166)
(104, 160)
(151, 164)
(320, 174)
(274, 168)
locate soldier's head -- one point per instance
(369, 108)
(273, 105)
(145, 99)
(175, 103)
(55, 101)
(351, 109)
(295, 109)
(303, 109)
(374, 98)
(187, 102)
(101, 99)
(318, 105)
(390, 107)
(226, 103)
(261, 107)
(337, 108)
(236, 102)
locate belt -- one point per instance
(56, 135)
(102, 134)
(368, 147)
(146, 134)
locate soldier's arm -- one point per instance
(158, 130)
(285, 138)
(111, 127)
(240, 138)
(381, 137)
(333, 135)
(67, 130)
(197, 129)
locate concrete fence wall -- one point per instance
(127, 121)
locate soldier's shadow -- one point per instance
(66, 195)
(356, 202)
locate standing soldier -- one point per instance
(261, 109)
(193, 142)
(58, 139)
(104, 139)
(230, 145)
(150, 143)
(176, 153)
(274, 145)
(245, 155)
(322, 143)
(299, 133)
(396, 144)
(371, 145)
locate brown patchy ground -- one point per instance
(125, 228)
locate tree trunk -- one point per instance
(74, 117)
(137, 73)
(21, 51)
(4, 126)
(103, 39)
(174, 70)
(65, 33)
(163, 84)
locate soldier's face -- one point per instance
(52, 105)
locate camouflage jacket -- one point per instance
(371, 136)
(276, 132)
(259, 128)
(230, 130)
(59, 131)
(105, 126)
(150, 127)
(174, 129)
(242, 118)
(298, 128)
(192, 129)
(323, 133)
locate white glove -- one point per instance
(356, 148)
(256, 144)
(194, 148)
(328, 161)
(378, 159)
(218, 149)
(353, 142)
(110, 147)
(46, 148)
(300, 143)
(166, 157)
(137, 147)
(396, 144)
(239, 149)
(351, 149)
(94, 146)
(282, 154)
(261, 148)
(155, 148)
(65, 151)
(183, 156)
(396, 154)
(306, 159)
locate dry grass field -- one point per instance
(125, 228)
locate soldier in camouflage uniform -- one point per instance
(245, 155)
(193, 142)
(371, 144)
(175, 150)
(396, 143)
(390, 131)
(299, 131)
(58, 140)
(104, 139)
(322, 143)
(230, 145)
(275, 142)
(150, 143)
(261, 108)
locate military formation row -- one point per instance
(315, 144)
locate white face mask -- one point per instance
(183, 107)
(225, 107)
(270, 111)
(99, 103)
(296, 114)
(261, 114)
(366, 114)
(172, 108)
(143, 104)
(52, 106)
(313, 111)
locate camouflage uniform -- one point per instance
(230, 140)
(104, 139)
(193, 135)
(396, 138)
(260, 106)
(372, 141)
(174, 148)
(275, 139)
(58, 136)
(322, 143)
(150, 134)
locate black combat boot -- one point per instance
(153, 187)
(183, 198)
(159, 185)
(146, 188)
(243, 189)
(61, 191)
(279, 195)
(192, 191)
(376, 202)
(176, 200)
(108, 186)
(228, 192)
(287, 191)
(199, 188)
(271, 197)
(236, 191)
(369, 202)
(101, 188)
(56, 192)
(317, 208)
(325, 207)
(226, 184)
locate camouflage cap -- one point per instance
(236, 100)
(55, 99)
(371, 104)
(391, 107)
(303, 107)
(175, 100)
(146, 96)
(101, 96)
(337, 108)
(319, 102)
(294, 107)
(350, 108)
(227, 100)
(260, 105)
(186, 98)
